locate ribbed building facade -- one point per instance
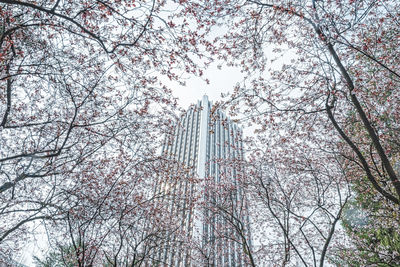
(208, 151)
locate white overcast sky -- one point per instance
(221, 81)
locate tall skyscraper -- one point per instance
(208, 203)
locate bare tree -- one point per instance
(80, 101)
